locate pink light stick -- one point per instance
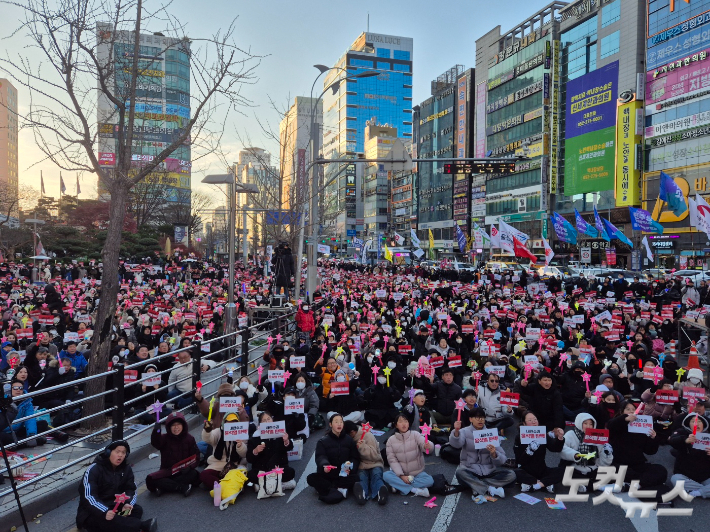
(375, 370)
(459, 405)
(260, 370)
(586, 377)
(120, 498)
(477, 376)
(425, 430)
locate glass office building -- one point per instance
(385, 99)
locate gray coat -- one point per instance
(478, 461)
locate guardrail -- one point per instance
(120, 406)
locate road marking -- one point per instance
(302, 482)
(641, 524)
(446, 513)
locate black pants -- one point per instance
(130, 523)
(21, 434)
(327, 484)
(550, 477)
(650, 476)
(288, 475)
(175, 483)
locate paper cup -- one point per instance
(437, 449)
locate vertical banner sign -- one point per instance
(554, 111)
(181, 235)
(301, 175)
(628, 175)
(590, 131)
(611, 256)
(481, 120)
(461, 124)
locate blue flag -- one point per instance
(613, 232)
(671, 193)
(379, 247)
(642, 220)
(583, 227)
(564, 230)
(461, 238)
(600, 225)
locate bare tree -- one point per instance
(188, 210)
(78, 42)
(146, 202)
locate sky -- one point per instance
(292, 37)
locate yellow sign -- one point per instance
(628, 176)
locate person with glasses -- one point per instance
(497, 416)
(481, 469)
(27, 428)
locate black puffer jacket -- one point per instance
(693, 463)
(546, 404)
(446, 395)
(99, 486)
(535, 463)
(630, 448)
(336, 450)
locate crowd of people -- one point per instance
(438, 359)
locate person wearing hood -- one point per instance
(694, 379)
(224, 390)
(109, 475)
(573, 390)
(418, 413)
(226, 455)
(532, 472)
(179, 457)
(305, 321)
(337, 462)
(691, 465)
(265, 455)
(663, 415)
(405, 456)
(586, 458)
(481, 469)
(631, 448)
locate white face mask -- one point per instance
(300, 385)
(340, 378)
(340, 358)
(382, 380)
(244, 385)
(459, 340)
(370, 359)
(391, 365)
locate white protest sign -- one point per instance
(484, 438)
(71, 336)
(298, 362)
(702, 441)
(275, 429)
(236, 431)
(276, 375)
(294, 406)
(496, 370)
(531, 434)
(229, 404)
(150, 379)
(642, 425)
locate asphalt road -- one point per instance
(300, 510)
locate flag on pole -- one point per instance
(495, 237)
(62, 187)
(613, 233)
(671, 193)
(41, 178)
(600, 225)
(78, 188)
(388, 253)
(702, 214)
(39, 250)
(642, 220)
(583, 227)
(398, 238)
(460, 238)
(513, 231)
(521, 250)
(649, 255)
(548, 251)
(379, 247)
(431, 244)
(415, 238)
(565, 231)
(693, 208)
(365, 249)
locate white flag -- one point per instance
(365, 249)
(505, 228)
(649, 255)
(495, 237)
(693, 208)
(399, 239)
(548, 251)
(702, 215)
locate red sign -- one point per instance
(130, 375)
(404, 349)
(454, 362)
(667, 397)
(184, 464)
(340, 388)
(611, 256)
(596, 436)
(509, 398)
(436, 362)
(467, 329)
(24, 333)
(694, 393)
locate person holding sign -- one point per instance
(663, 414)
(265, 455)
(109, 476)
(692, 463)
(227, 453)
(543, 398)
(150, 391)
(585, 457)
(338, 462)
(481, 466)
(632, 436)
(305, 391)
(405, 450)
(294, 415)
(498, 416)
(179, 457)
(531, 447)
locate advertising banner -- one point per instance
(181, 235)
(591, 101)
(677, 42)
(628, 173)
(671, 80)
(481, 120)
(589, 162)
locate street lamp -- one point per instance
(233, 188)
(311, 280)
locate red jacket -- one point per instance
(305, 322)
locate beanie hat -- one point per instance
(695, 373)
(118, 443)
(603, 377)
(224, 388)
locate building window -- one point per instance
(361, 62)
(401, 68)
(611, 13)
(610, 45)
(383, 52)
(383, 66)
(402, 54)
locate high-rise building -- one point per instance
(385, 98)
(9, 183)
(677, 109)
(295, 136)
(162, 107)
(376, 186)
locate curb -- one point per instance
(69, 490)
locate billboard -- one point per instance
(589, 162)
(628, 144)
(678, 42)
(590, 131)
(666, 83)
(181, 235)
(481, 120)
(461, 118)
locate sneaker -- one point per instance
(290, 485)
(479, 499)
(421, 492)
(551, 488)
(496, 492)
(256, 488)
(344, 492)
(393, 490)
(359, 494)
(186, 492)
(525, 487)
(382, 496)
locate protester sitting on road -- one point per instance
(226, 455)
(179, 457)
(446, 393)
(371, 486)
(532, 472)
(586, 458)
(497, 416)
(692, 465)
(108, 477)
(405, 450)
(268, 454)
